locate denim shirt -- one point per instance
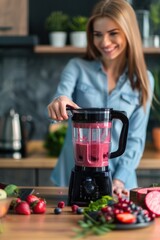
(86, 84)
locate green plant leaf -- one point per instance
(155, 14)
(57, 21)
(54, 141)
(78, 23)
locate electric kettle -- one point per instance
(14, 134)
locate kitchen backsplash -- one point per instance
(27, 84)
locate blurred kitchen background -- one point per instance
(30, 68)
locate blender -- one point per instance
(91, 135)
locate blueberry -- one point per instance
(57, 210)
(80, 211)
(133, 206)
(147, 219)
(140, 219)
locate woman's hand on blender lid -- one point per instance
(57, 108)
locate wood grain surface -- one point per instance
(49, 226)
(13, 17)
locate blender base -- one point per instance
(86, 186)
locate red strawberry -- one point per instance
(61, 204)
(39, 206)
(14, 202)
(31, 198)
(126, 217)
(23, 208)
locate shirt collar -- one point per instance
(99, 66)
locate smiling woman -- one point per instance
(114, 73)
(111, 42)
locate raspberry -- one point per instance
(74, 208)
(61, 204)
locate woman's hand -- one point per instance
(119, 189)
(57, 108)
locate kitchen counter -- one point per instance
(37, 158)
(49, 226)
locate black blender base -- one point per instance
(88, 186)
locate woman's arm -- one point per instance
(63, 95)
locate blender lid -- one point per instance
(91, 114)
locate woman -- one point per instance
(113, 74)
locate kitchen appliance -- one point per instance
(91, 134)
(15, 130)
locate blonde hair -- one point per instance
(123, 14)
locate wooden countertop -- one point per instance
(48, 49)
(49, 226)
(37, 158)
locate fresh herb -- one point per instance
(94, 221)
(90, 226)
(98, 204)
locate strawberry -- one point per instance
(31, 198)
(126, 217)
(39, 206)
(14, 202)
(23, 208)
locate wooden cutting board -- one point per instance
(13, 17)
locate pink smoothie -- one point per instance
(92, 154)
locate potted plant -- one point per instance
(54, 139)
(155, 20)
(77, 26)
(156, 110)
(57, 24)
(155, 15)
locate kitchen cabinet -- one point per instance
(26, 177)
(34, 170)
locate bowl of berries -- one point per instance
(107, 214)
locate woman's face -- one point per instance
(109, 39)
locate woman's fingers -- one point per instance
(119, 191)
(119, 188)
(57, 108)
